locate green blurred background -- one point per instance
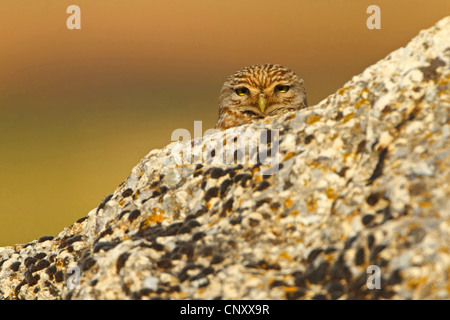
(80, 108)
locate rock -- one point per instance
(362, 179)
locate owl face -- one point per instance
(259, 91)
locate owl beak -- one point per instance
(262, 103)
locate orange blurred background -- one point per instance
(80, 108)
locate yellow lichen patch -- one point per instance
(288, 203)
(342, 91)
(346, 155)
(291, 116)
(425, 204)
(295, 212)
(348, 117)
(331, 194)
(414, 283)
(288, 156)
(313, 119)
(135, 195)
(154, 218)
(360, 102)
(290, 289)
(364, 93)
(122, 203)
(286, 256)
(311, 204)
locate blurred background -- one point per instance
(80, 108)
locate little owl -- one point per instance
(259, 91)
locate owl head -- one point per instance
(259, 91)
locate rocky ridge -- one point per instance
(362, 181)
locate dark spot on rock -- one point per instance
(124, 212)
(40, 265)
(361, 146)
(417, 188)
(227, 206)
(336, 290)
(27, 245)
(127, 193)
(70, 248)
(102, 205)
(19, 286)
(201, 211)
(259, 203)
(173, 228)
(199, 235)
(417, 234)
(235, 221)
(59, 276)
(51, 270)
(348, 242)
(164, 264)
(309, 138)
(313, 255)
(387, 109)
(316, 275)
(40, 255)
(133, 215)
(36, 290)
(378, 171)
(46, 238)
(277, 283)
(216, 173)
(157, 246)
(429, 72)
(373, 198)
(370, 241)
(299, 279)
(88, 263)
(367, 219)
(375, 251)
(30, 261)
(15, 266)
(275, 206)
(104, 245)
(319, 296)
(360, 256)
(224, 187)
(211, 193)
(69, 241)
(203, 185)
(207, 251)
(340, 270)
(217, 258)
(296, 294)
(30, 279)
(244, 180)
(198, 166)
(104, 233)
(339, 116)
(395, 278)
(120, 263)
(262, 186)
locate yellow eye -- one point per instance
(241, 91)
(282, 88)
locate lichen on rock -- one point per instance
(362, 181)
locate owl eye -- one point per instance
(282, 88)
(241, 91)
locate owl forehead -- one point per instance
(261, 76)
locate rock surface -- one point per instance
(363, 181)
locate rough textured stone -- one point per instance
(363, 180)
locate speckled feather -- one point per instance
(260, 80)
